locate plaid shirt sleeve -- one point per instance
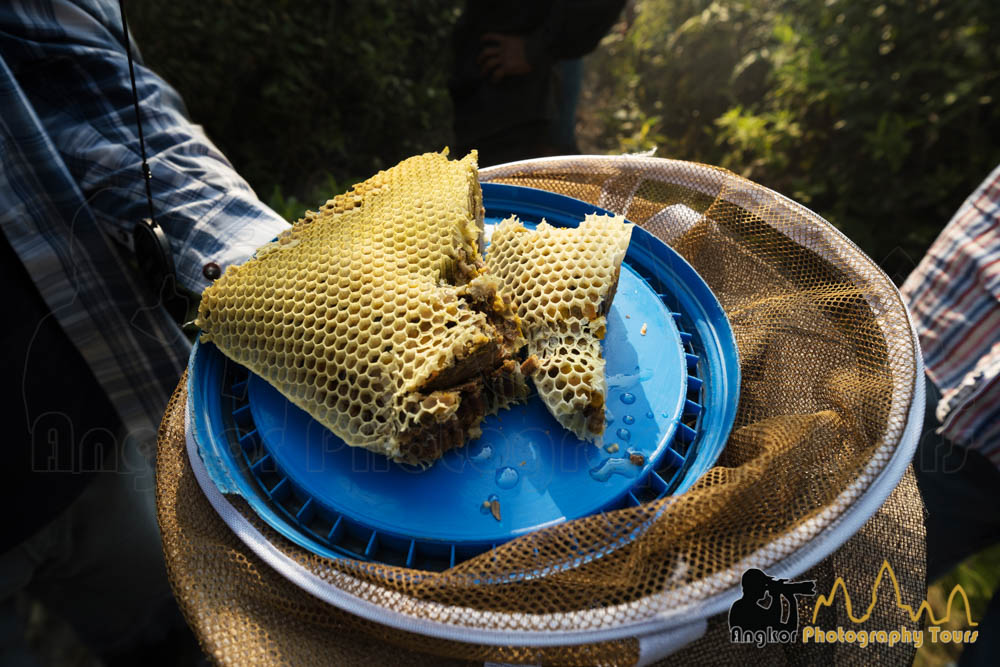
(71, 191)
(73, 69)
(954, 297)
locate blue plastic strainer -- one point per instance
(673, 378)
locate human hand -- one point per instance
(502, 56)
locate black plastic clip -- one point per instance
(156, 268)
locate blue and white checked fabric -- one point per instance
(954, 296)
(71, 191)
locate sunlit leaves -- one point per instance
(871, 113)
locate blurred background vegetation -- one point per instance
(880, 116)
(306, 97)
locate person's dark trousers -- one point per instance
(79, 528)
(961, 490)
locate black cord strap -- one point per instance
(146, 173)
(150, 243)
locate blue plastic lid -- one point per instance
(335, 499)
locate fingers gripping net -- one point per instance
(828, 370)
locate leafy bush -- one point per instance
(300, 95)
(881, 117)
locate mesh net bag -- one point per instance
(829, 377)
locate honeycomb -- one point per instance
(375, 315)
(562, 281)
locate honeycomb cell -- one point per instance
(562, 281)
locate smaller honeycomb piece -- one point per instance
(562, 282)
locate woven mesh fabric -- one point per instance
(828, 368)
(245, 613)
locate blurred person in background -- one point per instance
(91, 356)
(954, 299)
(516, 74)
(569, 78)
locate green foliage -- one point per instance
(296, 93)
(293, 205)
(881, 117)
(979, 577)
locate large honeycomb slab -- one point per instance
(374, 314)
(562, 281)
